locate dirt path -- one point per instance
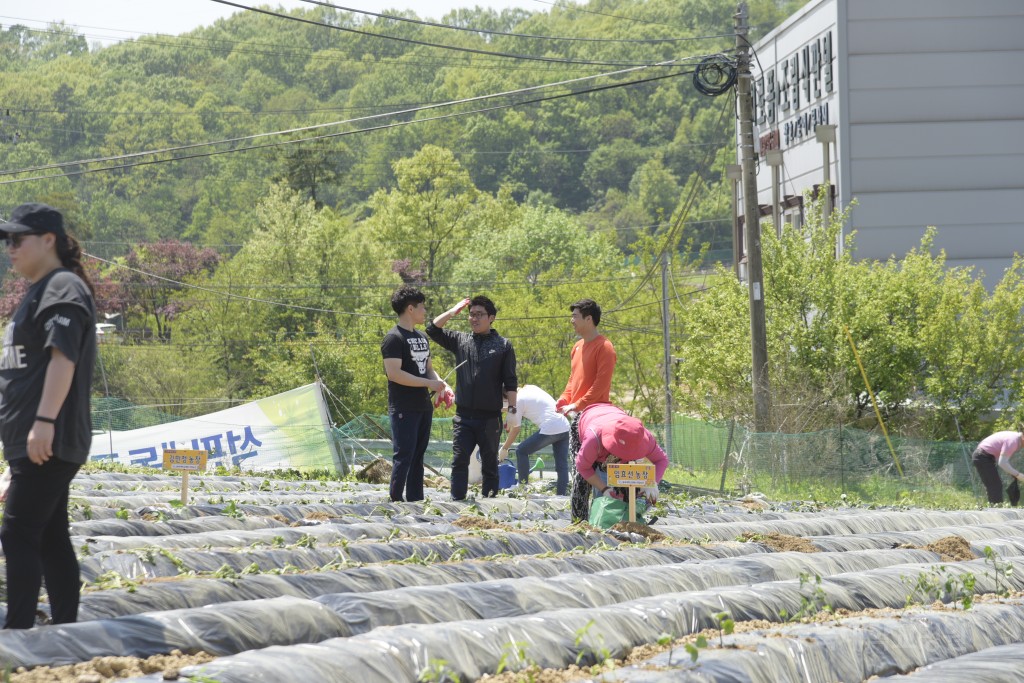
(104, 669)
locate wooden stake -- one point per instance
(632, 503)
(184, 487)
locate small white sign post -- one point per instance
(185, 461)
(634, 476)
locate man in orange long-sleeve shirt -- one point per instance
(592, 364)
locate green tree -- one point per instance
(431, 213)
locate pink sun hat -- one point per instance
(626, 438)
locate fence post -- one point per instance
(842, 463)
(967, 461)
(725, 460)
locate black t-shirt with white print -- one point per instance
(414, 350)
(57, 312)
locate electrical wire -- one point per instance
(302, 129)
(468, 29)
(412, 41)
(576, 8)
(327, 136)
(407, 59)
(284, 304)
(671, 234)
(230, 295)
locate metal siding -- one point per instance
(936, 35)
(946, 173)
(930, 113)
(903, 140)
(881, 242)
(908, 105)
(909, 9)
(950, 70)
(921, 208)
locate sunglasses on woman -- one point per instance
(14, 240)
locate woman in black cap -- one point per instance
(45, 380)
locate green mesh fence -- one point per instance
(711, 456)
(833, 461)
(119, 414)
(729, 458)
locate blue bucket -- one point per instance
(506, 475)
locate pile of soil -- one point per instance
(438, 482)
(377, 472)
(950, 549)
(640, 529)
(104, 669)
(781, 543)
(481, 523)
(754, 503)
(315, 518)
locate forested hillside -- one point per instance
(156, 150)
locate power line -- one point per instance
(283, 304)
(213, 45)
(413, 110)
(471, 50)
(406, 59)
(229, 295)
(671, 235)
(401, 59)
(467, 29)
(575, 8)
(322, 137)
(488, 284)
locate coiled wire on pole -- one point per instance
(715, 75)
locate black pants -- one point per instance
(468, 433)
(37, 543)
(410, 434)
(988, 471)
(579, 504)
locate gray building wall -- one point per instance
(932, 127)
(930, 114)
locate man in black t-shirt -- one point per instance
(411, 378)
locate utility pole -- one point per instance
(668, 355)
(752, 227)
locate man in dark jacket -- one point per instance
(486, 365)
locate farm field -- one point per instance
(262, 579)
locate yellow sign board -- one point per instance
(631, 475)
(185, 460)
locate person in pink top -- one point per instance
(993, 450)
(607, 435)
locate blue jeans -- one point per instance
(559, 444)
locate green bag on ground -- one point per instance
(606, 511)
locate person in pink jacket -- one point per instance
(607, 435)
(993, 450)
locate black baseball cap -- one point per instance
(34, 218)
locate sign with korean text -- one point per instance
(640, 474)
(284, 431)
(187, 460)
